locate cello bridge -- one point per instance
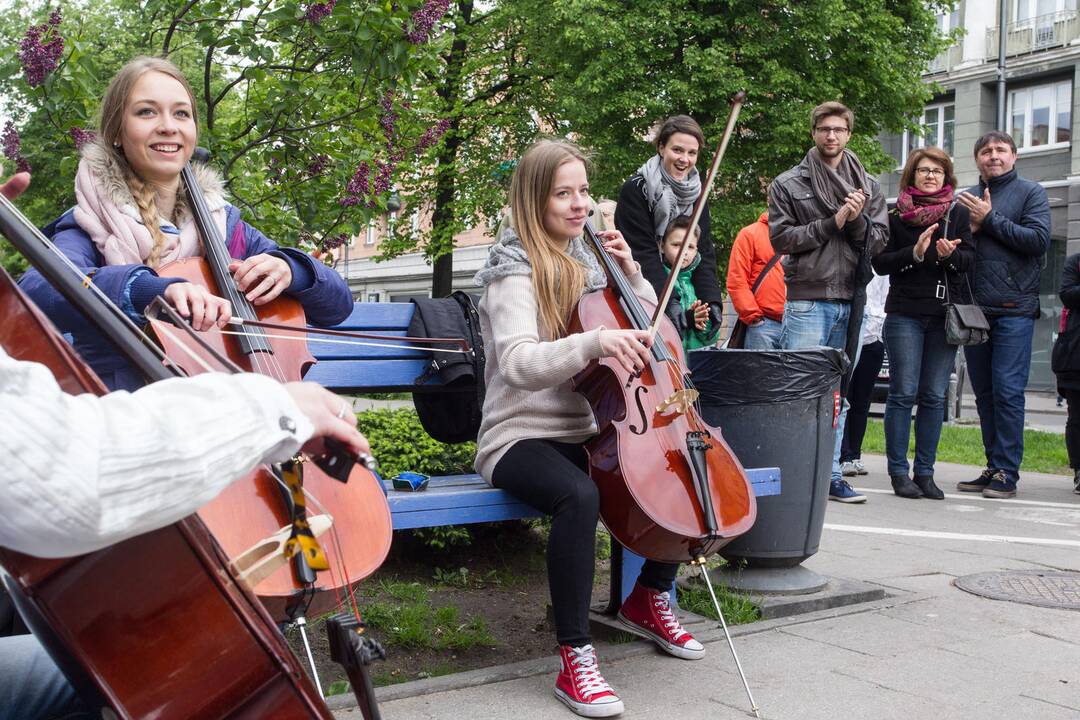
(681, 400)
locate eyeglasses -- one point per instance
(930, 172)
(827, 131)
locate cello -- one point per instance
(670, 487)
(118, 621)
(245, 513)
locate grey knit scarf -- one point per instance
(667, 197)
(831, 187)
(507, 257)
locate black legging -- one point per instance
(860, 393)
(1072, 426)
(550, 476)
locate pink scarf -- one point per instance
(106, 211)
(919, 209)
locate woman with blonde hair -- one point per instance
(929, 251)
(131, 218)
(534, 424)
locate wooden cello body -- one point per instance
(671, 489)
(251, 510)
(155, 626)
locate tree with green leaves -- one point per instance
(620, 66)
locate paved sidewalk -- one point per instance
(929, 650)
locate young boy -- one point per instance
(696, 331)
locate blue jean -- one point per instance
(31, 686)
(998, 370)
(920, 362)
(764, 336)
(813, 323)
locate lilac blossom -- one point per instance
(432, 135)
(40, 49)
(81, 136)
(11, 142)
(423, 20)
(318, 165)
(317, 11)
(334, 241)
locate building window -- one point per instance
(1024, 10)
(373, 297)
(936, 129)
(370, 239)
(1041, 116)
(414, 223)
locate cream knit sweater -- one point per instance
(528, 375)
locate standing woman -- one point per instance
(662, 189)
(923, 267)
(531, 439)
(132, 217)
(1068, 373)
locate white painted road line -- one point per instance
(968, 537)
(977, 496)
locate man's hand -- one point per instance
(853, 205)
(978, 207)
(14, 187)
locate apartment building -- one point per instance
(1042, 60)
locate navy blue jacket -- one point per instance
(1010, 246)
(322, 292)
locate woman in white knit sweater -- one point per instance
(534, 426)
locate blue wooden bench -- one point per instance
(452, 499)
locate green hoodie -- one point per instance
(686, 295)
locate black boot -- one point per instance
(926, 486)
(902, 486)
(1076, 481)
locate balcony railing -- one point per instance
(946, 61)
(1038, 33)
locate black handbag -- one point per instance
(737, 338)
(964, 324)
(1065, 357)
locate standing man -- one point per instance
(762, 311)
(1010, 224)
(825, 214)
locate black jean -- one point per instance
(1072, 427)
(551, 477)
(860, 392)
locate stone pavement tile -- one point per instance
(1029, 651)
(949, 678)
(936, 583)
(771, 656)
(979, 618)
(1024, 707)
(873, 634)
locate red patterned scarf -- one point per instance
(919, 209)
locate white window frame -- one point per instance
(1033, 7)
(369, 239)
(910, 140)
(1024, 146)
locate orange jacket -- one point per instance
(749, 255)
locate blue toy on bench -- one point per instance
(352, 369)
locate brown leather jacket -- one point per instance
(821, 260)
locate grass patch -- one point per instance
(411, 621)
(738, 610)
(1044, 452)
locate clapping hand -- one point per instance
(924, 242)
(945, 247)
(853, 205)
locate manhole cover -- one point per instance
(1033, 587)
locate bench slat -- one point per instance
(357, 377)
(375, 316)
(324, 348)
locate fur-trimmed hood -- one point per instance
(106, 168)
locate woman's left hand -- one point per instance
(261, 277)
(617, 247)
(945, 247)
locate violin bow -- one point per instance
(699, 207)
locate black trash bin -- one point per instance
(776, 408)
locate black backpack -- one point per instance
(452, 415)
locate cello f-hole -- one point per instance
(641, 390)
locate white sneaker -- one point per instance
(859, 469)
(847, 469)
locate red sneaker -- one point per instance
(647, 613)
(580, 685)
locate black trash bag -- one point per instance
(747, 377)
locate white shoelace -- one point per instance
(587, 675)
(663, 604)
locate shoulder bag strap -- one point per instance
(765, 271)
